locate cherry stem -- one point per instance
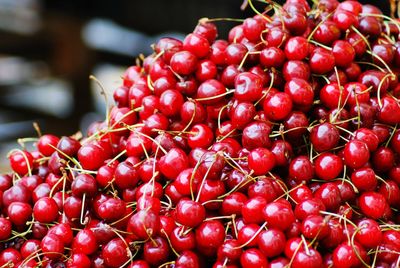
(216, 96)
(253, 237)
(102, 92)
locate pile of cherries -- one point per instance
(278, 147)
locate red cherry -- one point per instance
(45, 210)
(373, 204)
(21, 162)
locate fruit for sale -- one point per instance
(278, 147)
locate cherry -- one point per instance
(45, 210)
(301, 169)
(173, 163)
(345, 255)
(271, 242)
(19, 213)
(248, 87)
(207, 30)
(183, 62)
(209, 92)
(278, 215)
(144, 224)
(210, 236)
(356, 154)
(5, 228)
(389, 112)
(312, 258)
(84, 242)
(190, 213)
(21, 162)
(328, 166)
(84, 184)
(115, 253)
(261, 161)
(201, 136)
(52, 246)
(296, 69)
(278, 106)
(343, 52)
(235, 53)
(321, 61)
(10, 257)
(301, 92)
(253, 257)
(196, 44)
(187, 259)
(64, 231)
(327, 32)
(272, 57)
(156, 252)
(79, 260)
(324, 137)
(92, 156)
(296, 48)
(372, 204)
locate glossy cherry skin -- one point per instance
(190, 213)
(356, 154)
(84, 242)
(278, 215)
(328, 166)
(115, 253)
(209, 236)
(5, 228)
(373, 204)
(183, 62)
(253, 258)
(52, 246)
(45, 210)
(278, 106)
(271, 242)
(21, 162)
(261, 161)
(248, 87)
(324, 137)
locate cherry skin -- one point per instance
(369, 234)
(261, 161)
(373, 204)
(202, 136)
(21, 162)
(5, 228)
(271, 242)
(156, 252)
(84, 242)
(248, 87)
(115, 253)
(78, 260)
(10, 257)
(278, 106)
(183, 62)
(190, 213)
(278, 215)
(328, 166)
(19, 213)
(47, 144)
(173, 163)
(364, 179)
(324, 137)
(253, 258)
(45, 210)
(52, 246)
(301, 92)
(209, 236)
(356, 154)
(296, 48)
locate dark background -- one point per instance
(46, 58)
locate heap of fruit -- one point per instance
(278, 147)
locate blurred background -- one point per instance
(48, 49)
